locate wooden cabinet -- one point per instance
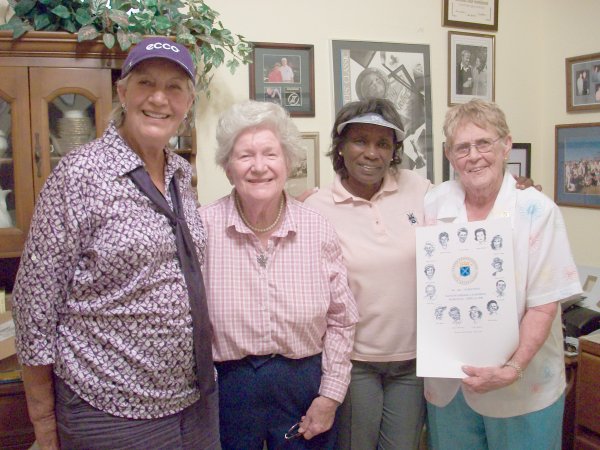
(16, 431)
(587, 415)
(55, 94)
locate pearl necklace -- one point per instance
(238, 206)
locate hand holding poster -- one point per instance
(466, 308)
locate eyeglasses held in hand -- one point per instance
(481, 145)
(293, 432)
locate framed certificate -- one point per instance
(480, 15)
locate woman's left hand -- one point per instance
(485, 379)
(319, 417)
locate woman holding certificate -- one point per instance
(520, 402)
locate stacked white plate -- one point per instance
(73, 132)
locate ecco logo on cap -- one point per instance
(164, 45)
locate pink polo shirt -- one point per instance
(378, 243)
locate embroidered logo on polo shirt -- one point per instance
(411, 218)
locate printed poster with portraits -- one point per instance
(466, 307)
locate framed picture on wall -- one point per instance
(471, 67)
(305, 174)
(479, 15)
(519, 161)
(398, 72)
(284, 74)
(583, 82)
(577, 180)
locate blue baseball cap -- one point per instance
(160, 47)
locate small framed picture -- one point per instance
(577, 180)
(583, 82)
(479, 15)
(519, 161)
(471, 67)
(284, 74)
(305, 174)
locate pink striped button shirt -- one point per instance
(291, 299)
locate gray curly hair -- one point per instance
(252, 114)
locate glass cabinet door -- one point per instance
(16, 198)
(69, 107)
(16, 190)
(7, 178)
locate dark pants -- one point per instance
(261, 397)
(81, 426)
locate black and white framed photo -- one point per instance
(398, 72)
(577, 180)
(479, 15)
(519, 161)
(284, 74)
(471, 67)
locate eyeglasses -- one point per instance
(293, 432)
(481, 145)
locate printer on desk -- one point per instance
(582, 316)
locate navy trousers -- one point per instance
(261, 397)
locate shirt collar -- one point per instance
(453, 206)
(123, 159)
(341, 194)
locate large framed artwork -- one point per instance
(284, 74)
(583, 82)
(479, 15)
(305, 174)
(577, 180)
(398, 72)
(471, 67)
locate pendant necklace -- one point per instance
(261, 258)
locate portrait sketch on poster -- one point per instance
(466, 307)
(399, 73)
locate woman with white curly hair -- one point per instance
(282, 312)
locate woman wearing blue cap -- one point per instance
(112, 325)
(375, 208)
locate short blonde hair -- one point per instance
(252, 114)
(482, 113)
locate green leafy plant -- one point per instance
(192, 22)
